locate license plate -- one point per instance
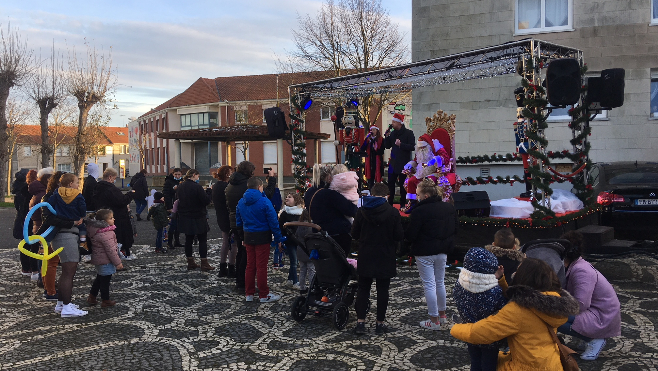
(646, 202)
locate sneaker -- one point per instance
(28, 274)
(72, 310)
(430, 325)
(381, 329)
(130, 257)
(123, 257)
(270, 298)
(249, 298)
(296, 286)
(86, 258)
(360, 328)
(594, 347)
(58, 307)
(34, 277)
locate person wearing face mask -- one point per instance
(108, 196)
(193, 219)
(169, 190)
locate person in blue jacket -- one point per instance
(255, 215)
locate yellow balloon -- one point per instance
(45, 257)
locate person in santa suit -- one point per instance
(401, 141)
(373, 146)
(429, 162)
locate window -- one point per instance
(654, 89)
(533, 16)
(64, 168)
(123, 149)
(27, 151)
(62, 151)
(241, 117)
(327, 152)
(325, 113)
(109, 150)
(203, 120)
(269, 152)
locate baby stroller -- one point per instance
(330, 291)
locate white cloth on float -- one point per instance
(561, 202)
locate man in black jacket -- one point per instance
(141, 188)
(402, 141)
(237, 186)
(169, 190)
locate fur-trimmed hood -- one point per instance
(511, 254)
(550, 306)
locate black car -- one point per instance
(628, 192)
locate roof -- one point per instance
(238, 89)
(31, 134)
(250, 133)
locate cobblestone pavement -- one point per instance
(167, 318)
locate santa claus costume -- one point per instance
(431, 161)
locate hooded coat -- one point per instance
(477, 294)
(104, 241)
(169, 191)
(523, 322)
(256, 216)
(139, 185)
(68, 203)
(89, 186)
(432, 227)
(106, 195)
(329, 208)
(21, 203)
(289, 214)
(600, 311)
(378, 228)
(221, 210)
(237, 186)
(508, 258)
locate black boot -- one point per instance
(231, 271)
(177, 240)
(170, 240)
(139, 217)
(223, 270)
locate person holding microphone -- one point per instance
(402, 142)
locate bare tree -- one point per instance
(349, 36)
(14, 67)
(61, 126)
(47, 89)
(17, 114)
(92, 80)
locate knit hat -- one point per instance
(158, 195)
(479, 260)
(398, 117)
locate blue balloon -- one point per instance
(26, 224)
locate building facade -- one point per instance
(611, 34)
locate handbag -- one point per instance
(566, 353)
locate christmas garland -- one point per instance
(507, 180)
(301, 168)
(512, 157)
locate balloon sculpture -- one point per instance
(27, 239)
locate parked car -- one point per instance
(628, 192)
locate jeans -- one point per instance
(363, 295)
(257, 258)
(567, 330)
(102, 284)
(394, 178)
(432, 270)
(158, 238)
(292, 255)
(482, 359)
(277, 256)
(141, 205)
(203, 245)
(228, 250)
(306, 269)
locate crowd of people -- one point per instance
(520, 317)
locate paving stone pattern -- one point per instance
(167, 318)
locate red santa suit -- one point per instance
(431, 158)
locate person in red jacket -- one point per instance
(104, 255)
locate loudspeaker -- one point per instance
(276, 122)
(612, 92)
(594, 90)
(563, 82)
(473, 204)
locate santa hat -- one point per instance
(398, 117)
(374, 127)
(426, 140)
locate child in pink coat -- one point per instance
(104, 255)
(345, 182)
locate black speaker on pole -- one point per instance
(563, 82)
(472, 204)
(594, 90)
(276, 122)
(612, 91)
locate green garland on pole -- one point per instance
(512, 157)
(301, 168)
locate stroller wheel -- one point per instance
(299, 308)
(341, 315)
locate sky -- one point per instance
(161, 47)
